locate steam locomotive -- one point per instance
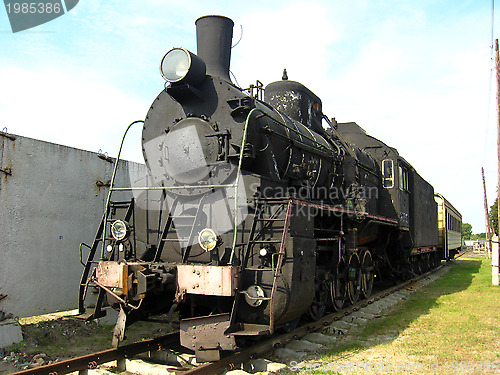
(258, 209)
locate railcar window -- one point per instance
(388, 173)
(453, 223)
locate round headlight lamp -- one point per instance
(180, 65)
(119, 230)
(207, 239)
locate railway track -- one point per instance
(334, 323)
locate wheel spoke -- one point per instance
(354, 283)
(338, 287)
(318, 307)
(367, 268)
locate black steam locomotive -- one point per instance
(253, 214)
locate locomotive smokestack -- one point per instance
(214, 35)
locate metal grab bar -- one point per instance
(234, 185)
(111, 184)
(81, 253)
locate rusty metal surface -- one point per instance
(206, 333)
(93, 360)
(207, 280)
(277, 273)
(7, 171)
(423, 250)
(7, 135)
(113, 275)
(105, 157)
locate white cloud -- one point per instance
(413, 74)
(67, 108)
(418, 85)
(296, 37)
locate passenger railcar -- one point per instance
(258, 209)
(450, 228)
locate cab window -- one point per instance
(388, 173)
(403, 178)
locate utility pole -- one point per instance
(495, 258)
(487, 218)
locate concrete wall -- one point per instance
(49, 205)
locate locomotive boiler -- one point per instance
(253, 214)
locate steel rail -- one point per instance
(232, 361)
(91, 361)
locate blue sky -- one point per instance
(415, 74)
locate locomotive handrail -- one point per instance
(320, 145)
(243, 143)
(235, 184)
(111, 187)
(172, 187)
(81, 252)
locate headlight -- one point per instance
(180, 65)
(119, 230)
(207, 239)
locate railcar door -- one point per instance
(404, 195)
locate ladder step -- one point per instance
(258, 269)
(248, 329)
(120, 204)
(263, 298)
(270, 219)
(332, 231)
(89, 314)
(267, 241)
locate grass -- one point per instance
(448, 324)
(66, 338)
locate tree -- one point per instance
(478, 236)
(494, 217)
(466, 231)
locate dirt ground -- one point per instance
(55, 340)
